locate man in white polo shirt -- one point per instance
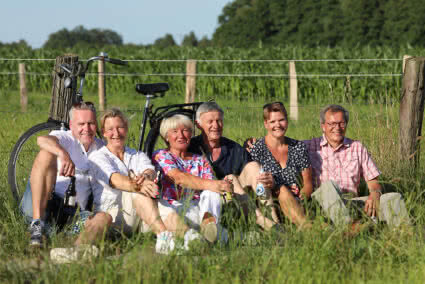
(62, 154)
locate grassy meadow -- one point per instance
(381, 255)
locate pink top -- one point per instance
(165, 161)
(344, 165)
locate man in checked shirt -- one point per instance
(338, 165)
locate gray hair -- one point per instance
(208, 107)
(173, 122)
(81, 106)
(334, 109)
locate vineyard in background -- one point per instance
(261, 71)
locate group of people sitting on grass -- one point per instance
(194, 173)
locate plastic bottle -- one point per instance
(260, 190)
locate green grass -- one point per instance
(318, 256)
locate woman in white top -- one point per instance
(128, 200)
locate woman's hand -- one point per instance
(266, 179)
(149, 188)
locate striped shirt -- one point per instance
(344, 165)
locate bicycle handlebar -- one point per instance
(116, 61)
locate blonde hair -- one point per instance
(112, 112)
(172, 123)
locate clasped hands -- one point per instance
(144, 183)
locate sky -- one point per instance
(139, 22)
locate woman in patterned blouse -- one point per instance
(187, 182)
(287, 160)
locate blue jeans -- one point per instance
(55, 214)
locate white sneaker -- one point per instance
(164, 242)
(67, 255)
(191, 235)
(210, 231)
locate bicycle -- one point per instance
(26, 148)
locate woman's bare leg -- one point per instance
(291, 208)
(147, 209)
(94, 228)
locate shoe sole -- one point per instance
(35, 245)
(209, 231)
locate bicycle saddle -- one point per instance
(150, 89)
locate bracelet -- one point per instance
(375, 190)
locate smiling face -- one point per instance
(179, 138)
(115, 132)
(276, 124)
(83, 126)
(334, 128)
(211, 124)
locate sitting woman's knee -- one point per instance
(284, 193)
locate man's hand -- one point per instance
(249, 143)
(67, 165)
(266, 179)
(372, 204)
(222, 186)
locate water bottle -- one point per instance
(260, 190)
(70, 199)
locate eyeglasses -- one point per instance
(271, 104)
(341, 124)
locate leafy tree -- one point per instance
(82, 36)
(204, 42)
(21, 44)
(245, 23)
(190, 40)
(165, 41)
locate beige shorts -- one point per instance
(125, 218)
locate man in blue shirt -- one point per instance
(229, 160)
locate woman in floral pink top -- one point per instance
(187, 179)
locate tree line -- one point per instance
(321, 23)
(257, 23)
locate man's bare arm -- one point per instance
(51, 144)
(372, 203)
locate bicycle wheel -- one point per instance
(151, 139)
(23, 155)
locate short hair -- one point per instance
(208, 107)
(274, 107)
(172, 123)
(81, 106)
(112, 112)
(334, 109)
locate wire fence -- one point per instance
(356, 78)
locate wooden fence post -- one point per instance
(293, 92)
(412, 110)
(190, 81)
(405, 57)
(23, 87)
(62, 98)
(101, 83)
